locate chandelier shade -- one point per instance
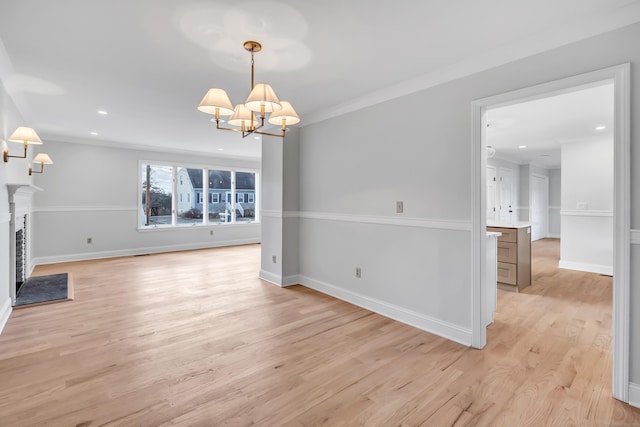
(217, 102)
(262, 99)
(286, 116)
(243, 117)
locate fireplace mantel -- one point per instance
(21, 189)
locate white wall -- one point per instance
(554, 202)
(92, 191)
(13, 172)
(354, 167)
(586, 241)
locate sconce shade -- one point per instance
(241, 116)
(263, 94)
(25, 134)
(287, 115)
(216, 98)
(42, 159)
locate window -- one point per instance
(157, 195)
(231, 196)
(246, 184)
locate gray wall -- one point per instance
(92, 191)
(353, 170)
(554, 202)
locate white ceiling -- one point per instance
(149, 62)
(532, 132)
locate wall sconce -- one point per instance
(41, 159)
(26, 136)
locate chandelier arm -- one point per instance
(281, 135)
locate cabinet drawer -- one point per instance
(507, 273)
(508, 234)
(508, 252)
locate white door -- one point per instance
(539, 206)
(505, 185)
(491, 194)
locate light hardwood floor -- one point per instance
(195, 339)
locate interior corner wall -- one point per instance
(92, 191)
(554, 202)
(586, 236)
(12, 172)
(354, 167)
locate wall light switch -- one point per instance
(358, 272)
(399, 207)
(273, 259)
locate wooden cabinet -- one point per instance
(514, 257)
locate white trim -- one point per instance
(46, 209)
(426, 323)
(5, 312)
(553, 235)
(583, 266)
(5, 218)
(485, 60)
(620, 75)
(635, 237)
(558, 207)
(139, 251)
(575, 212)
(270, 277)
(388, 220)
(271, 214)
(634, 395)
(278, 280)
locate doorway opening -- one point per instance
(619, 76)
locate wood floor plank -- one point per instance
(196, 339)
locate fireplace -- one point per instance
(20, 199)
(21, 254)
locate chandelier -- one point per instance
(261, 100)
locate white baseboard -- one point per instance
(139, 251)
(265, 275)
(553, 235)
(634, 395)
(426, 323)
(5, 312)
(281, 281)
(591, 268)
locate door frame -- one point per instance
(545, 231)
(620, 76)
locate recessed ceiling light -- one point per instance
(601, 127)
(256, 137)
(545, 155)
(220, 149)
(522, 146)
(94, 133)
(103, 113)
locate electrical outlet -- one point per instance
(399, 207)
(358, 272)
(89, 240)
(273, 259)
(210, 232)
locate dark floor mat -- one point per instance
(42, 289)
